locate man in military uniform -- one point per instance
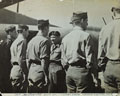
(18, 73)
(77, 55)
(109, 53)
(38, 52)
(5, 64)
(56, 71)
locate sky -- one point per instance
(59, 12)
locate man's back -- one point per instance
(110, 40)
(34, 47)
(17, 49)
(74, 44)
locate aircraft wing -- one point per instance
(9, 17)
(5, 3)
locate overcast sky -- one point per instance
(59, 12)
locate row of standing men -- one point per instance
(65, 66)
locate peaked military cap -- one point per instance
(22, 26)
(43, 22)
(78, 16)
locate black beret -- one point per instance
(55, 33)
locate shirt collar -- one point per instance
(54, 46)
(77, 28)
(21, 36)
(117, 18)
(57, 45)
(39, 33)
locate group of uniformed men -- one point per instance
(39, 66)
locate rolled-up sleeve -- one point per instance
(64, 60)
(45, 50)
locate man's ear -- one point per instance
(81, 21)
(114, 14)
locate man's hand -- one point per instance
(66, 67)
(101, 67)
(97, 82)
(46, 81)
(102, 64)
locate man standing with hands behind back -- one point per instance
(18, 48)
(77, 56)
(109, 53)
(38, 52)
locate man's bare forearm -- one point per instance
(45, 64)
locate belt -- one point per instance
(114, 60)
(34, 61)
(80, 63)
(53, 61)
(15, 63)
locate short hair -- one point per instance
(42, 24)
(55, 33)
(10, 29)
(22, 27)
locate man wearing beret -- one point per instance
(18, 73)
(38, 52)
(5, 57)
(56, 71)
(109, 53)
(77, 56)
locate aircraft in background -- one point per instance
(8, 17)
(5, 3)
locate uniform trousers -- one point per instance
(79, 80)
(56, 78)
(36, 79)
(112, 77)
(18, 79)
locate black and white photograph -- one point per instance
(59, 46)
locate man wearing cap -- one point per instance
(56, 71)
(77, 55)
(109, 53)
(38, 52)
(18, 73)
(5, 64)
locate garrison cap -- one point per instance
(10, 28)
(22, 26)
(55, 33)
(43, 22)
(78, 16)
(116, 6)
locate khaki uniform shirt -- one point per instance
(38, 48)
(55, 53)
(77, 45)
(18, 50)
(109, 41)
